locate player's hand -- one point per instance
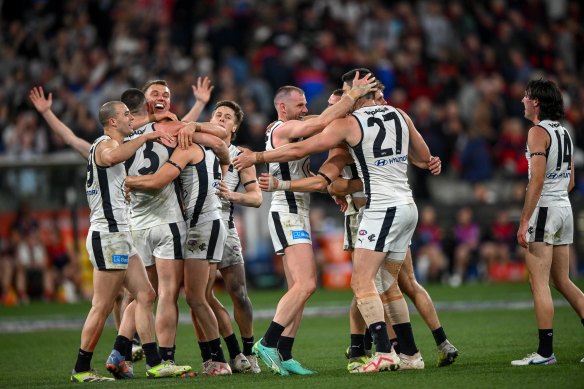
(127, 191)
(160, 137)
(244, 160)
(522, 234)
(435, 165)
(202, 91)
(37, 97)
(342, 202)
(165, 116)
(185, 134)
(223, 191)
(267, 182)
(362, 86)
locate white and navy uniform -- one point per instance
(349, 172)
(552, 221)
(390, 214)
(109, 242)
(206, 232)
(288, 222)
(157, 217)
(232, 254)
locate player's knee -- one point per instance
(306, 288)
(146, 296)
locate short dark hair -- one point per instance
(107, 111)
(236, 109)
(338, 92)
(285, 91)
(154, 82)
(135, 100)
(348, 77)
(547, 93)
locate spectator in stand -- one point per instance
(7, 267)
(430, 260)
(467, 236)
(499, 246)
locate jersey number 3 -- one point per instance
(377, 150)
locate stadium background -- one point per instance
(458, 68)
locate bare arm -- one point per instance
(167, 172)
(342, 186)
(114, 153)
(295, 129)
(214, 143)
(330, 137)
(43, 106)
(537, 141)
(252, 197)
(202, 92)
(572, 182)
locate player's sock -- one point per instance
(216, 350)
(439, 336)
(232, 346)
(247, 345)
(285, 344)
(152, 356)
(357, 348)
(83, 361)
(405, 337)
(546, 341)
(166, 353)
(395, 345)
(582, 321)
(367, 340)
(379, 334)
(121, 345)
(272, 335)
(205, 351)
(128, 352)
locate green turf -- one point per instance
(488, 341)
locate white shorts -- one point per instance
(287, 229)
(165, 241)
(389, 230)
(232, 253)
(350, 231)
(206, 241)
(552, 225)
(109, 250)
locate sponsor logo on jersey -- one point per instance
(376, 110)
(552, 176)
(300, 234)
(362, 232)
(371, 237)
(120, 259)
(530, 230)
(202, 247)
(92, 192)
(389, 161)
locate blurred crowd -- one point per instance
(458, 68)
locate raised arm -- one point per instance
(43, 106)
(202, 92)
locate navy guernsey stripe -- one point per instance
(106, 201)
(201, 169)
(290, 198)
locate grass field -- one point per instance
(488, 338)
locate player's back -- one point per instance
(200, 181)
(285, 201)
(105, 194)
(153, 208)
(382, 156)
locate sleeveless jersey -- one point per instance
(349, 172)
(285, 201)
(558, 166)
(232, 181)
(153, 208)
(106, 194)
(200, 182)
(382, 156)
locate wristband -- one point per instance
(197, 127)
(283, 185)
(328, 180)
(260, 157)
